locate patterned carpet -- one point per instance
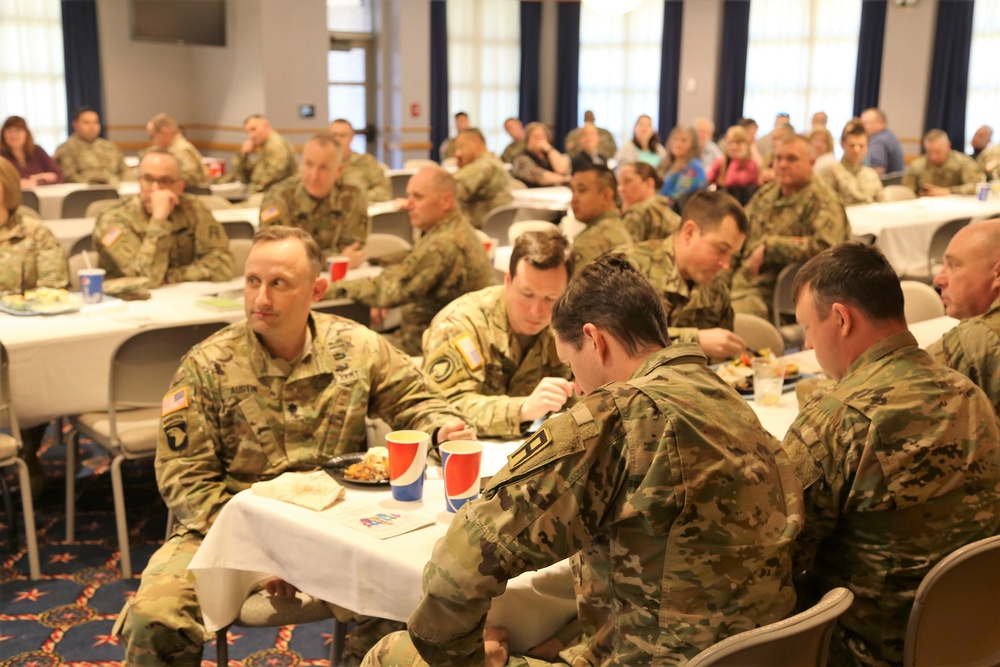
(65, 618)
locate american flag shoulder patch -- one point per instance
(174, 401)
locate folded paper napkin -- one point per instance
(315, 490)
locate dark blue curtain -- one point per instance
(732, 63)
(531, 45)
(670, 65)
(82, 56)
(950, 70)
(868, 75)
(439, 76)
(567, 70)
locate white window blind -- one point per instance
(983, 96)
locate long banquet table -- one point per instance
(50, 197)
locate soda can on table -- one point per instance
(461, 461)
(407, 462)
(982, 191)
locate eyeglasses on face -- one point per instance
(163, 181)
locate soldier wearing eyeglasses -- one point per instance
(161, 234)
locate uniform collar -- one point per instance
(677, 353)
(884, 348)
(310, 362)
(13, 228)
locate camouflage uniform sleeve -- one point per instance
(634, 220)
(910, 178)
(129, 255)
(379, 187)
(193, 170)
(357, 224)
(241, 167)
(50, 263)
(401, 395)
(829, 227)
(526, 170)
(188, 471)
(402, 283)
(544, 506)
(970, 176)
(69, 165)
(272, 166)
(274, 209)
(683, 334)
(213, 260)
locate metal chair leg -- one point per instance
(337, 643)
(72, 443)
(8, 506)
(28, 507)
(118, 492)
(222, 647)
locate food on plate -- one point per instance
(739, 372)
(35, 298)
(374, 467)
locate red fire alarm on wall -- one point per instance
(414, 110)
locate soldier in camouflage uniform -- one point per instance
(164, 134)
(850, 178)
(900, 460)
(643, 477)
(791, 219)
(970, 287)
(224, 428)
(317, 201)
(515, 128)
(492, 352)
(447, 261)
(87, 158)
(989, 162)
(646, 214)
(360, 169)
(265, 157)
(607, 145)
(941, 170)
(30, 254)
(482, 183)
(684, 269)
(447, 149)
(162, 234)
(593, 203)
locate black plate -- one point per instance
(337, 464)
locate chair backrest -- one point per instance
(352, 310)
(955, 619)
(898, 193)
(196, 189)
(920, 301)
(240, 248)
(238, 229)
(864, 239)
(82, 244)
(497, 223)
(214, 202)
(758, 333)
(940, 240)
(419, 163)
(784, 300)
(95, 208)
(76, 202)
(77, 262)
(522, 226)
(399, 183)
(8, 418)
(144, 364)
(30, 199)
(801, 640)
(396, 223)
(379, 245)
(252, 201)
(892, 178)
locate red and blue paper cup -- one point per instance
(460, 464)
(407, 461)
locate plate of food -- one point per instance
(40, 301)
(739, 372)
(369, 468)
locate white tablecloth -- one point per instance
(554, 198)
(903, 229)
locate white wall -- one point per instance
(906, 70)
(700, 52)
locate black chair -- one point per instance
(399, 182)
(75, 204)
(238, 229)
(30, 199)
(396, 223)
(892, 178)
(196, 190)
(352, 310)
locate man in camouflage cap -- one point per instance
(791, 219)
(647, 478)
(593, 204)
(265, 157)
(482, 182)
(284, 390)
(317, 201)
(165, 135)
(492, 351)
(900, 460)
(970, 287)
(447, 261)
(685, 267)
(162, 234)
(941, 170)
(360, 169)
(87, 158)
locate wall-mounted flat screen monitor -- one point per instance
(179, 21)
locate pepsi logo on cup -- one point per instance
(407, 461)
(460, 463)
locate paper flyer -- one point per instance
(379, 522)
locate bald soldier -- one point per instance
(87, 158)
(482, 183)
(792, 219)
(492, 353)
(264, 159)
(685, 267)
(285, 390)
(162, 234)
(970, 288)
(360, 169)
(447, 261)
(316, 200)
(941, 170)
(163, 134)
(593, 204)
(900, 460)
(644, 479)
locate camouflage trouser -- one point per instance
(751, 302)
(397, 650)
(162, 624)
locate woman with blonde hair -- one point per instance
(646, 215)
(682, 170)
(822, 142)
(736, 172)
